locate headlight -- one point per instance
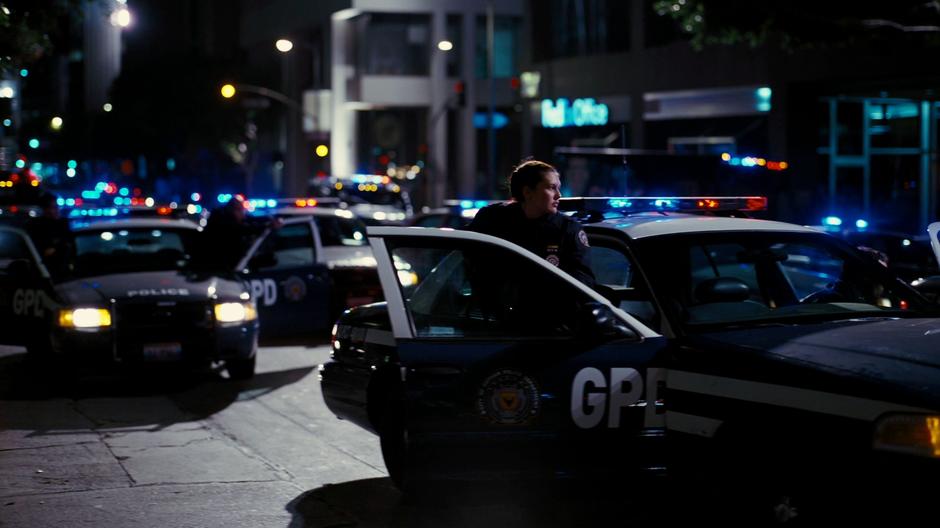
(84, 318)
(916, 434)
(235, 312)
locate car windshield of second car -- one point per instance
(129, 250)
(744, 278)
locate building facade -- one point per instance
(855, 125)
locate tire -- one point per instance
(763, 485)
(241, 369)
(395, 452)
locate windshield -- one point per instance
(137, 249)
(733, 278)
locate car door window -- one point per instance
(467, 289)
(291, 245)
(809, 268)
(12, 247)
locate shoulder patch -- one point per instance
(582, 237)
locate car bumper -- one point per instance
(167, 347)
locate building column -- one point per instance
(436, 176)
(637, 49)
(343, 134)
(466, 134)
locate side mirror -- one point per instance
(597, 322)
(929, 287)
(262, 260)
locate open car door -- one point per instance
(506, 361)
(26, 295)
(934, 231)
(289, 285)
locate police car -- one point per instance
(371, 197)
(130, 299)
(769, 358)
(454, 214)
(306, 272)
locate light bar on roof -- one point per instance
(637, 204)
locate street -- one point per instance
(199, 450)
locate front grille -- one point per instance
(137, 324)
(162, 315)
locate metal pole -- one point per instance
(924, 183)
(490, 131)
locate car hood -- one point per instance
(152, 285)
(899, 355)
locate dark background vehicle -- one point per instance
(368, 196)
(908, 255)
(455, 214)
(130, 298)
(307, 271)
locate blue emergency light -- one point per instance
(639, 204)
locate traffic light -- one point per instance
(460, 94)
(515, 86)
(228, 91)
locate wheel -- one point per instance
(759, 485)
(395, 452)
(241, 369)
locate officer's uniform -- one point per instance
(555, 237)
(226, 240)
(53, 240)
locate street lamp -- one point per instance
(286, 45)
(121, 17)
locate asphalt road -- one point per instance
(199, 450)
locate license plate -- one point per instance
(163, 351)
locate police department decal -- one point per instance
(582, 237)
(294, 288)
(508, 397)
(553, 260)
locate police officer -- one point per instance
(228, 236)
(51, 235)
(532, 220)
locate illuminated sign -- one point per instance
(582, 112)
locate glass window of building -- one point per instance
(395, 44)
(505, 47)
(566, 28)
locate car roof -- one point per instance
(138, 223)
(649, 224)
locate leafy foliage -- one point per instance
(32, 29)
(805, 24)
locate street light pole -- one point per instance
(229, 90)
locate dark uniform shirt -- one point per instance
(554, 237)
(225, 241)
(53, 240)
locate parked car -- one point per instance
(769, 360)
(130, 299)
